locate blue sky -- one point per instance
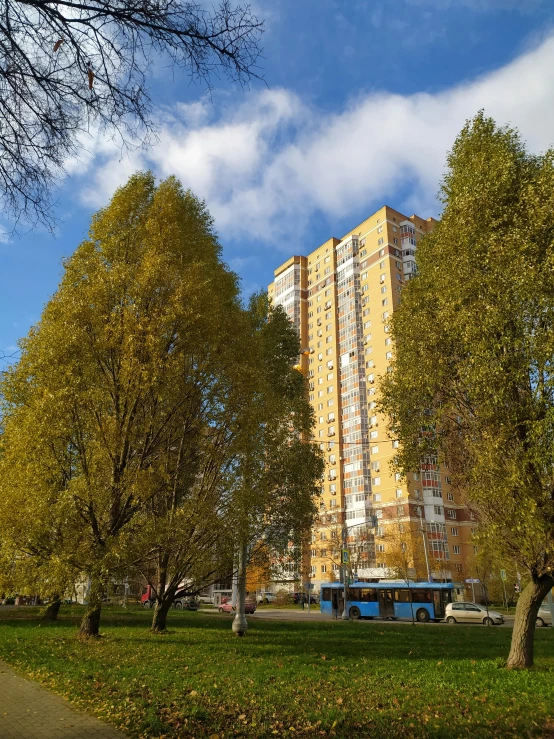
(362, 100)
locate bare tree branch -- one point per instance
(68, 67)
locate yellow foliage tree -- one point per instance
(125, 371)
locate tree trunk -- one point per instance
(161, 609)
(521, 651)
(51, 613)
(240, 623)
(91, 620)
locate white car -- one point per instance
(544, 617)
(266, 597)
(471, 613)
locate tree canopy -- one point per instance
(123, 370)
(152, 421)
(473, 374)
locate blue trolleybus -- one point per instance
(387, 599)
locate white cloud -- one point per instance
(267, 165)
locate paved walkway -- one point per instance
(29, 711)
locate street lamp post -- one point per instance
(424, 546)
(345, 615)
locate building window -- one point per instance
(380, 229)
(456, 549)
(454, 531)
(400, 510)
(375, 480)
(380, 547)
(381, 240)
(312, 552)
(438, 510)
(388, 355)
(373, 434)
(375, 450)
(323, 569)
(312, 570)
(451, 513)
(381, 252)
(450, 496)
(376, 497)
(398, 492)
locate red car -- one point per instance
(249, 607)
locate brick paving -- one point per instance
(29, 711)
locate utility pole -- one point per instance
(345, 616)
(424, 546)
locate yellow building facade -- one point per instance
(340, 298)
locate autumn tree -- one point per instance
(70, 67)
(107, 408)
(277, 469)
(182, 538)
(473, 373)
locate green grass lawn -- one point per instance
(347, 680)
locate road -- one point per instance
(283, 614)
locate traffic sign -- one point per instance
(503, 575)
(344, 557)
(471, 581)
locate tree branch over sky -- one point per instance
(67, 66)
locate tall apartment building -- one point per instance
(340, 298)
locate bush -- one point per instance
(283, 598)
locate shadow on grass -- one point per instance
(336, 640)
(357, 680)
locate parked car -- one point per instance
(249, 607)
(267, 598)
(544, 617)
(185, 603)
(472, 613)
